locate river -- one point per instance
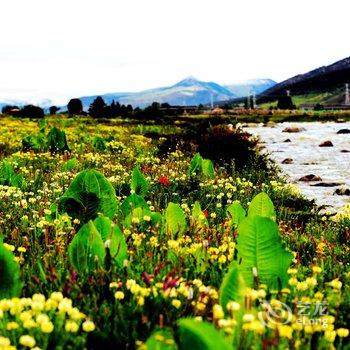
(331, 164)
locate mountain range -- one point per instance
(189, 91)
(322, 85)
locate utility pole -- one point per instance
(288, 92)
(211, 101)
(254, 100)
(347, 98)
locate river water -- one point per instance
(329, 163)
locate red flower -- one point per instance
(206, 213)
(163, 180)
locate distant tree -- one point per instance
(53, 110)
(165, 105)
(9, 109)
(97, 108)
(75, 106)
(285, 102)
(31, 111)
(247, 103)
(318, 107)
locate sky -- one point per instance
(58, 49)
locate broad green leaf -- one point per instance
(198, 216)
(98, 143)
(87, 250)
(175, 220)
(10, 283)
(113, 238)
(232, 287)
(236, 212)
(208, 169)
(57, 140)
(259, 246)
(132, 202)
(161, 340)
(70, 164)
(261, 205)
(90, 193)
(198, 335)
(138, 182)
(195, 164)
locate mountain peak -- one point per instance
(188, 80)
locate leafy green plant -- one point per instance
(10, 283)
(90, 193)
(161, 340)
(197, 215)
(236, 213)
(57, 140)
(262, 205)
(9, 177)
(199, 335)
(99, 144)
(87, 250)
(70, 164)
(201, 166)
(138, 182)
(175, 220)
(259, 247)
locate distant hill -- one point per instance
(321, 85)
(189, 91)
(256, 86)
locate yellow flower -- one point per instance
(22, 249)
(285, 331)
(47, 327)
(311, 281)
(71, 327)
(176, 303)
(302, 286)
(293, 281)
(330, 336)
(232, 306)
(88, 326)
(119, 295)
(343, 332)
(336, 284)
(27, 340)
(248, 318)
(222, 259)
(292, 271)
(316, 269)
(12, 325)
(4, 342)
(218, 312)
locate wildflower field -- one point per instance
(124, 235)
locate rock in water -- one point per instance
(310, 177)
(342, 191)
(343, 131)
(287, 161)
(326, 144)
(287, 140)
(293, 129)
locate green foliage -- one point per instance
(232, 287)
(9, 177)
(197, 335)
(236, 212)
(57, 140)
(113, 239)
(198, 216)
(261, 205)
(35, 143)
(90, 193)
(259, 246)
(161, 340)
(175, 220)
(10, 283)
(87, 250)
(201, 166)
(132, 202)
(138, 182)
(70, 164)
(98, 143)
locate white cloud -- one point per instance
(58, 49)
